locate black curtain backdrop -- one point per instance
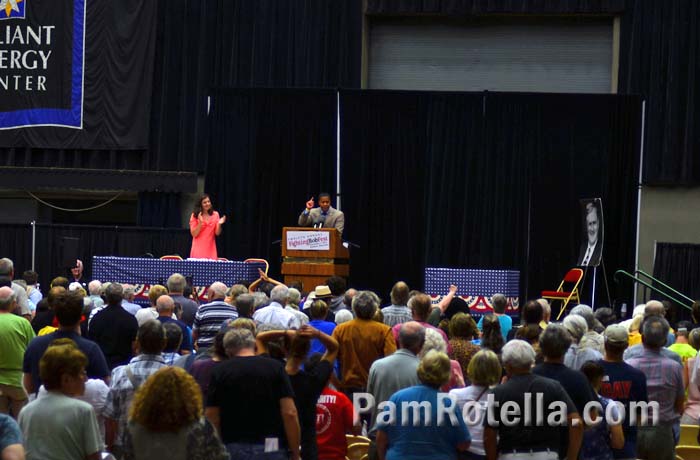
(462, 7)
(93, 240)
(485, 180)
(269, 152)
(242, 43)
(678, 265)
(660, 59)
(159, 209)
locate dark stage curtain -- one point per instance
(159, 209)
(93, 240)
(462, 7)
(660, 59)
(269, 152)
(678, 265)
(484, 181)
(242, 43)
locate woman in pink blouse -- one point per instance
(205, 226)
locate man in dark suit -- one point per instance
(325, 214)
(592, 247)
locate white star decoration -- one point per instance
(8, 5)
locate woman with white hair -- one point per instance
(434, 341)
(424, 437)
(575, 355)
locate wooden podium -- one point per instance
(312, 255)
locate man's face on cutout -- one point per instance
(324, 203)
(592, 227)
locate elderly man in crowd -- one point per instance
(259, 388)
(421, 306)
(664, 378)
(397, 371)
(114, 329)
(576, 355)
(7, 268)
(165, 305)
(398, 312)
(128, 378)
(128, 299)
(362, 341)
(15, 335)
(622, 383)
(652, 308)
(522, 440)
(275, 313)
(176, 286)
(95, 292)
(210, 316)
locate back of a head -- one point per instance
(244, 305)
(349, 294)
(217, 291)
(7, 298)
(53, 294)
(683, 329)
(260, 299)
(62, 357)
(499, 303)
(365, 304)
(576, 325)
(114, 293)
(532, 312)
(168, 400)
(280, 294)
(555, 341)
(585, 312)
(434, 369)
(337, 285)
(176, 283)
(463, 326)
(155, 292)
(94, 287)
(420, 305)
(593, 371)
(694, 338)
(343, 316)
(237, 290)
(6, 267)
(165, 305)
(518, 354)
(654, 331)
(237, 340)
(491, 337)
(31, 277)
(606, 316)
(484, 369)
(654, 308)
(412, 336)
(399, 293)
(68, 307)
(546, 309)
(294, 297)
(151, 337)
(173, 337)
(318, 309)
(129, 291)
(433, 341)
(243, 323)
(60, 281)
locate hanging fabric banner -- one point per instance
(75, 74)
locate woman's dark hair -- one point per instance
(492, 338)
(532, 312)
(198, 206)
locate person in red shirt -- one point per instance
(205, 226)
(335, 418)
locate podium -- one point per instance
(312, 255)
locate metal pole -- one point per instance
(639, 194)
(33, 224)
(595, 272)
(337, 151)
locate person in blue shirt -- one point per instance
(410, 439)
(499, 303)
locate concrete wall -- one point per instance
(669, 215)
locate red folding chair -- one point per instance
(567, 290)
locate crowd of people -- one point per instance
(267, 371)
